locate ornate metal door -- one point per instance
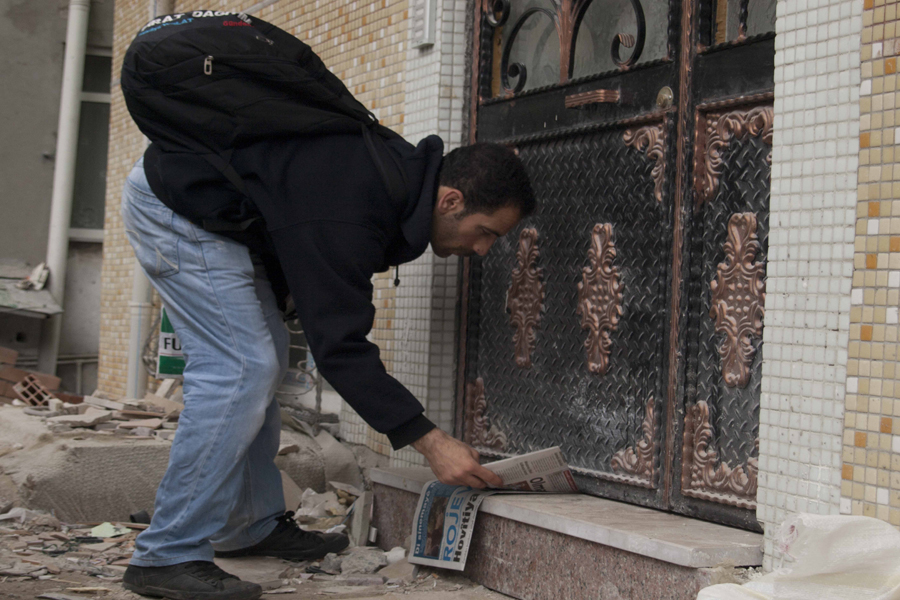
(623, 320)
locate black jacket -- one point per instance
(327, 225)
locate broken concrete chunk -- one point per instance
(101, 547)
(108, 530)
(395, 555)
(104, 403)
(288, 449)
(165, 434)
(400, 570)
(142, 423)
(348, 489)
(165, 405)
(331, 564)
(360, 580)
(165, 387)
(92, 416)
(361, 518)
(363, 560)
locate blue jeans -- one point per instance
(222, 488)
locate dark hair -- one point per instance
(490, 176)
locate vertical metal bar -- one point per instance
(685, 62)
(466, 262)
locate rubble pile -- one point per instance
(35, 545)
(154, 416)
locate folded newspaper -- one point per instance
(445, 516)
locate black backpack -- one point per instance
(210, 81)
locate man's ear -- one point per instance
(450, 201)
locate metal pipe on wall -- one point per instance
(64, 175)
(141, 305)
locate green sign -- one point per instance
(171, 361)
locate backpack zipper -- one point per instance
(207, 65)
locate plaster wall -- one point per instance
(32, 33)
(32, 44)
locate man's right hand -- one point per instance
(454, 462)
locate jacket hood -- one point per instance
(423, 167)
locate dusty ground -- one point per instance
(43, 556)
(453, 588)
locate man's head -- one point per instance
(483, 192)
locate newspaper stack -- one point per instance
(445, 516)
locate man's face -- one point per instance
(453, 232)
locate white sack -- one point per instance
(834, 558)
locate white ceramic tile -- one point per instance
(810, 254)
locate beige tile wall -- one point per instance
(126, 143)
(870, 475)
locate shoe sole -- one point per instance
(155, 592)
(314, 554)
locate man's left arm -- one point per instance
(328, 266)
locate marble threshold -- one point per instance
(647, 532)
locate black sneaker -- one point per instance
(289, 542)
(195, 580)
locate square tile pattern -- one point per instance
(870, 473)
(810, 260)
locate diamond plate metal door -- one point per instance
(608, 322)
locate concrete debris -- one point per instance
(361, 519)
(92, 416)
(363, 560)
(317, 506)
(311, 417)
(36, 280)
(395, 555)
(399, 571)
(166, 388)
(165, 405)
(360, 580)
(340, 462)
(288, 449)
(332, 563)
(344, 490)
(165, 434)
(104, 403)
(31, 518)
(108, 530)
(149, 424)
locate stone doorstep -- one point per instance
(654, 534)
